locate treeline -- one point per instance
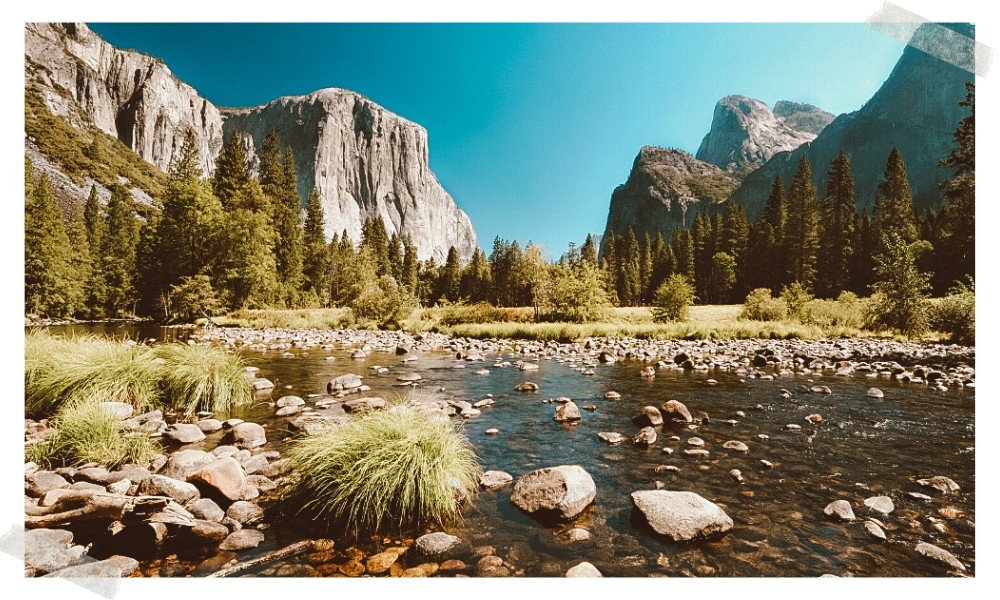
(818, 240)
(236, 240)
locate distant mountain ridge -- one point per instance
(363, 159)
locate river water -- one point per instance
(863, 447)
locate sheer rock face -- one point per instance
(131, 96)
(916, 110)
(364, 161)
(664, 187)
(745, 133)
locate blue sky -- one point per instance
(531, 126)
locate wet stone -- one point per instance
(944, 485)
(495, 480)
(880, 504)
(839, 510)
(736, 446)
(940, 555)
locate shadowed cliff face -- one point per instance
(364, 160)
(664, 190)
(916, 110)
(745, 132)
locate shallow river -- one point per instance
(863, 447)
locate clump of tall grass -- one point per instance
(203, 378)
(760, 306)
(395, 468)
(303, 318)
(63, 371)
(88, 432)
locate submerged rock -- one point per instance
(584, 569)
(940, 555)
(436, 544)
(562, 492)
(839, 510)
(945, 485)
(681, 516)
(611, 437)
(343, 383)
(495, 480)
(645, 438)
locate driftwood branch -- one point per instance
(263, 559)
(89, 506)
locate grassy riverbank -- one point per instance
(703, 322)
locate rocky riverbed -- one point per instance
(746, 443)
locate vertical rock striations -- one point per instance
(131, 96)
(365, 161)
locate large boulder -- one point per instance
(184, 433)
(436, 544)
(343, 383)
(676, 411)
(940, 555)
(942, 484)
(40, 483)
(364, 405)
(561, 492)
(681, 516)
(649, 416)
(248, 436)
(47, 550)
(223, 477)
(182, 464)
(567, 412)
(158, 485)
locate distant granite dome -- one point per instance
(916, 109)
(802, 117)
(363, 159)
(745, 133)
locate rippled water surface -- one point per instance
(863, 447)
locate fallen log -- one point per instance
(263, 559)
(93, 507)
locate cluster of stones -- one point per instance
(189, 498)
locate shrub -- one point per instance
(383, 303)
(899, 301)
(795, 297)
(203, 378)
(846, 311)
(578, 294)
(672, 299)
(390, 469)
(480, 312)
(955, 314)
(194, 297)
(760, 306)
(69, 370)
(87, 432)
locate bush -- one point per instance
(760, 306)
(846, 311)
(203, 378)
(383, 303)
(955, 314)
(578, 294)
(87, 432)
(795, 297)
(194, 297)
(672, 299)
(480, 312)
(390, 469)
(60, 371)
(899, 301)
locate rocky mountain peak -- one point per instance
(745, 132)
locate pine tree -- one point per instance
(394, 255)
(189, 234)
(270, 171)
(118, 254)
(837, 229)
(247, 276)
(186, 164)
(450, 277)
(80, 262)
(410, 265)
(476, 279)
(48, 279)
(316, 263)
(93, 221)
(232, 173)
(865, 243)
(630, 283)
(588, 251)
(735, 241)
(610, 265)
(801, 240)
(645, 269)
(663, 262)
(960, 191)
(768, 262)
(900, 289)
(285, 207)
(723, 277)
(894, 203)
(683, 249)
